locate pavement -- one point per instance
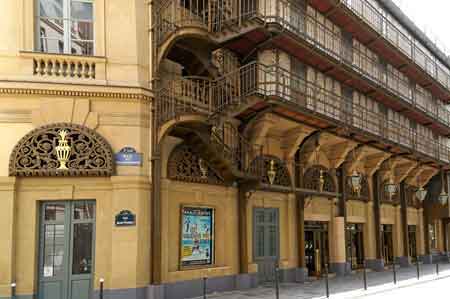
(380, 285)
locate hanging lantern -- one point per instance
(355, 182)
(390, 188)
(421, 193)
(271, 172)
(443, 197)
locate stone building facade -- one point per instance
(150, 144)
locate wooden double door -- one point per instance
(66, 250)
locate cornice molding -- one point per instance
(77, 93)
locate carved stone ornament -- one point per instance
(61, 149)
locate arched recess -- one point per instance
(178, 47)
(282, 176)
(185, 165)
(88, 153)
(188, 119)
(312, 179)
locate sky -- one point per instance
(432, 16)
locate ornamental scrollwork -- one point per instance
(275, 164)
(312, 179)
(185, 165)
(39, 152)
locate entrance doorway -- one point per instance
(387, 243)
(266, 242)
(316, 247)
(412, 242)
(66, 250)
(355, 245)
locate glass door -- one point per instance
(66, 250)
(355, 245)
(388, 248)
(412, 242)
(316, 247)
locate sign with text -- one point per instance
(128, 156)
(125, 218)
(197, 237)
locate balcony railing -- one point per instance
(175, 14)
(408, 45)
(275, 83)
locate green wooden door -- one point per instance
(66, 255)
(265, 242)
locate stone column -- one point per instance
(420, 234)
(397, 237)
(369, 238)
(7, 248)
(247, 277)
(403, 259)
(302, 271)
(338, 263)
(377, 263)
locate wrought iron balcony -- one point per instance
(279, 86)
(393, 33)
(291, 17)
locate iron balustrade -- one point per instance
(407, 45)
(272, 82)
(289, 15)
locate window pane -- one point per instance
(82, 248)
(81, 11)
(51, 8)
(82, 30)
(54, 212)
(51, 35)
(83, 210)
(82, 47)
(53, 250)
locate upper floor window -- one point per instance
(66, 26)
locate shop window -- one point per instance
(66, 26)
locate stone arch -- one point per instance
(282, 175)
(312, 177)
(165, 129)
(36, 153)
(185, 165)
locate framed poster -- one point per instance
(197, 236)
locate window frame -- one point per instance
(67, 28)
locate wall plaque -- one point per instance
(125, 218)
(128, 156)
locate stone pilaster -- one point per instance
(7, 248)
